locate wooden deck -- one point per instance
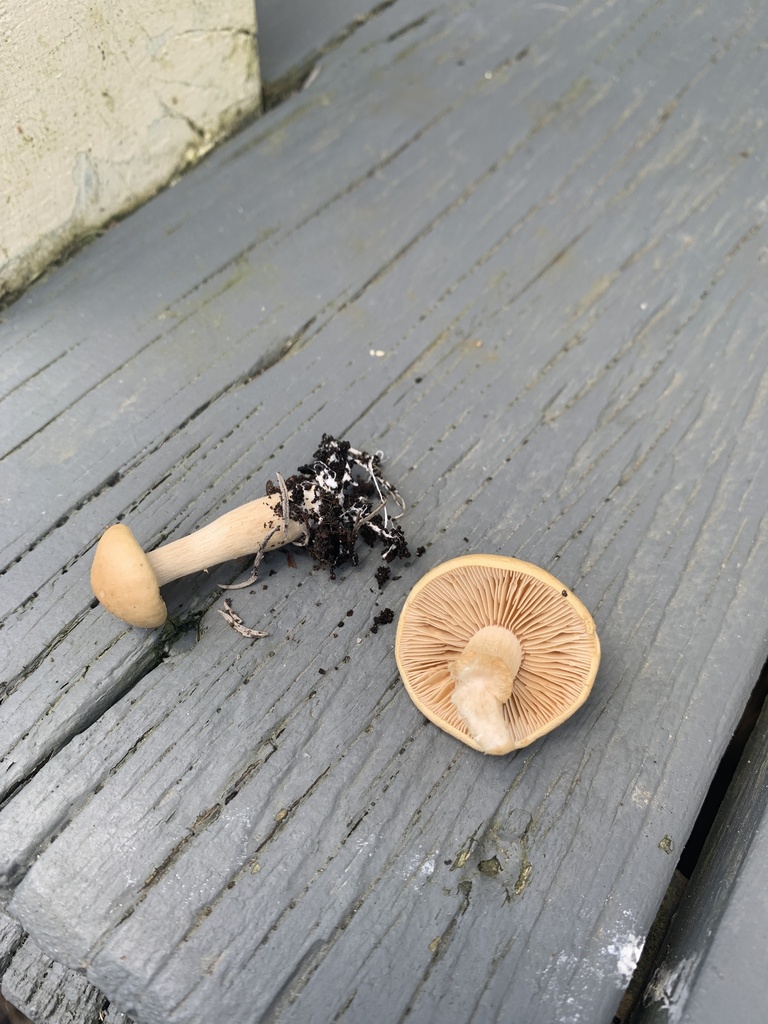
(522, 249)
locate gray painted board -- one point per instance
(293, 35)
(11, 937)
(526, 259)
(713, 966)
(43, 990)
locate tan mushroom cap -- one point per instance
(455, 601)
(124, 581)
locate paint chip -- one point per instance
(627, 950)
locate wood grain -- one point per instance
(712, 960)
(520, 249)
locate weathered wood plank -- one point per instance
(101, 349)
(566, 295)
(293, 36)
(712, 966)
(142, 420)
(43, 990)
(11, 937)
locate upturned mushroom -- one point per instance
(325, 507)
(495, 651)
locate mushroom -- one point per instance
(127, 581)
(324, 507)
(495, 651)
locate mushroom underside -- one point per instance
(560, 650)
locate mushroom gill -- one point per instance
(486, 605)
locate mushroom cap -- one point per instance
(561, 650)
(124, 581)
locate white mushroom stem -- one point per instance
(246, 530)
(484, 676)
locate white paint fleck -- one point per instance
(670, 987)
(419, 870)
(310, 77)
(641, 797)
(364, 842)
(427, 868)
(626, 949)
(613, 962)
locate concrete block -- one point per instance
(103, 105)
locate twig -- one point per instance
(255, 567)
(233, 619)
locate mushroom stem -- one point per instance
(484, 676)
(255, 526)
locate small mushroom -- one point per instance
(340, 496)
(495, 651)
(127, 581)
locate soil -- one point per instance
(342, 497)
